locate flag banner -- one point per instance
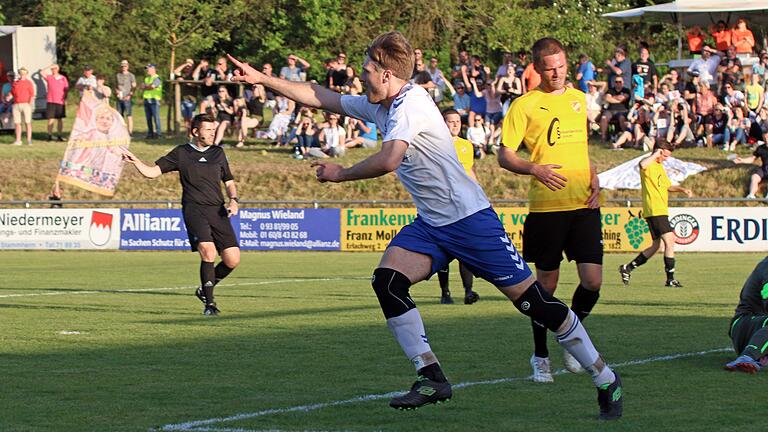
(93, 158)
(627, 175)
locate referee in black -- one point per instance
(201, 166)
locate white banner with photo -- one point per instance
(59, 228)
(720, 229)
(627, 175)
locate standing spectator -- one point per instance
(646, 69)
(457, 68)
(339, 72)
(126, 85)
(222, 72)
(509, 87)
(87, 81)
(292, 72)
(418, 57)
(225, 113)
(755, 95)
(102, 91)
(6, 98)
(695, 41)
(56, 99)
(530, 79)
(188, 93)
(153, 94)
(706, 66)
(722, 35)
(477, 70)
(619, 66)
(204, 73)
(493, 113)
(594, 96)
(477, 103)
(332, 137)
(617, 97)
(437, 77)
(506, 63)
(24, 93)
(742, 38)
(461, 102)
(585, 72)
(271, 103)
(760, 173)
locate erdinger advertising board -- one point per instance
(720, 229)
(59, 228)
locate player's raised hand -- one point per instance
(246, 72)
(546, 174)
(327, 172)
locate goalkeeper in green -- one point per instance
(749, 327)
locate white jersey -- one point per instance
(430, 170)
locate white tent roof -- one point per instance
(698, 12)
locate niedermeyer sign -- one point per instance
(59, 228)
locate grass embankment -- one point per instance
(264, 172)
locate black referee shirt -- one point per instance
(200, 173)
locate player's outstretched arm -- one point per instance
(678, 188)
(546, 174)
(145, 170)
(305, 93)
(383, 162)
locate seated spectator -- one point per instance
(703, 111)
(280, 120)
(692, 88)
(721, 132)
(509, 87)
(102, 91)
(225, 113)
(352, 85)
(530, 78)
(332, 137)
(739, 128)
(244, 121)
(296, 70)
(660, 125)
(461, 102)
(617, 106)
(594, 97)
(478, 135)
(338, 72)
(639, 126)
(706, 66)
(695, 41)
(305, 141)
(188, 92)
(463, 62)
(256, 98)
(730, 69)
(222, 72)
(760, 173)
(680, 123)
(761, 68)
(585, 72)
(619, 67)
(733, 98)
(203, 73)
(437, 77)
(271, 103)
(742, 38)
(363, 134)
(722, 35)
(755, 95)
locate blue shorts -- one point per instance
(188, 109)
(124, 107)
(478, 241)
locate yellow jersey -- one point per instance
(655, 184)
(554, 129)
(466, 153)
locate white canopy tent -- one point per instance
(698, 12)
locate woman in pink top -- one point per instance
(742, 38)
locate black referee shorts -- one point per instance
(209, 224)
(658, 226)
(576, 232)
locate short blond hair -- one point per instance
(392, 51)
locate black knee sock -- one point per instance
(583, 301)
(433, 372)
(540, 305)
(442, 278)
(639, 260)
(222, 271)
(467, 278)
(207, 279)
(539, 339)
(669, 267)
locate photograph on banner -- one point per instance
(93, 159)
(288, 229)
(59, 229)
(153, 229)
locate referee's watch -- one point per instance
(234, 199)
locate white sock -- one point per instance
(408, 329)
(574, 338)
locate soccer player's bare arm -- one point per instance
(305, 93)
(385, 161)
(509, 160)
(144, 169)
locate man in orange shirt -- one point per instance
(722, 35)
(695, 40)
(742, 38)
(531, 78)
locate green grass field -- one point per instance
(115, 341)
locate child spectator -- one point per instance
(585, 73)
(478, 135)
(332, 137)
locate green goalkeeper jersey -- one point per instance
(754, 295)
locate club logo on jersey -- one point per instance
(101, 228)
(576, 105)
(685, 227)
(553, 134)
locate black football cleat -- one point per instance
(471, 297)
(423, 392)
(211, 310)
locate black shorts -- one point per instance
(209, 224)
(547, 235)
(224, 116)
(658, 226)
(760, 172)
(55, 111)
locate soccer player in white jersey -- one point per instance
(455, 219)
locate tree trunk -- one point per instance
(171, 118)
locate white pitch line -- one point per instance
(200, 425)
(140, 290)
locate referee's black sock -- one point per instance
(540, 348)
(222, 271)
(207, 279)
(442, 278)
(669, 267)
(583, 301)
(639, 260)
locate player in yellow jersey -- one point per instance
(656, 187)
(465, 153)
(564, 209)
